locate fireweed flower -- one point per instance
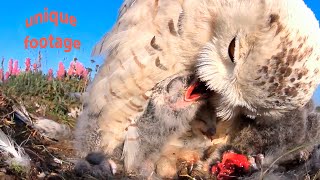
(1, 75)
(28, 64)
(50, 74)
(15, 70)
(79, 69)
(75, 69)
(85, 74)
(61, 71)
(72, 67)
(7, 75)
(35, 67)
(70, 71)
(10, 66)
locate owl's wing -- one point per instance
(151, 40)
(140, 52)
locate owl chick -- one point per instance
(306, 170)
(273, 138)
(302, 139)
(167, 118)
(177, 118)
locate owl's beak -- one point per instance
(196, 91)
(210, 133)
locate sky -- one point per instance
(93, 19)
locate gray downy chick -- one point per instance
(174, 104)
(177, 107)
(268, 139)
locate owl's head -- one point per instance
(264, 55)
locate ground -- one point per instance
(50, 159)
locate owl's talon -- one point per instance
(113, 166)
(198, 171)
(259, 160)
(253, 163)
(304, 156)
(256, 162)
(183, 169)
(190, 168)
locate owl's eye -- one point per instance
(175, 84)
(231, 49)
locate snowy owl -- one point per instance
(260, 58)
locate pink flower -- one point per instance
(28, 64)
(10, 66)
(15, 70)
(50, 74)
(61, 71)
(70, 71)
(35, 67)
(72, 67)
(79, 69)
(1, 75)
(7, 75)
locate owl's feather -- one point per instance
(133, 67)
(14, 153)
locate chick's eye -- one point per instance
(231, 49)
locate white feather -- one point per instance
(17, 155)
(130, 147)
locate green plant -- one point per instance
(33, 88)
